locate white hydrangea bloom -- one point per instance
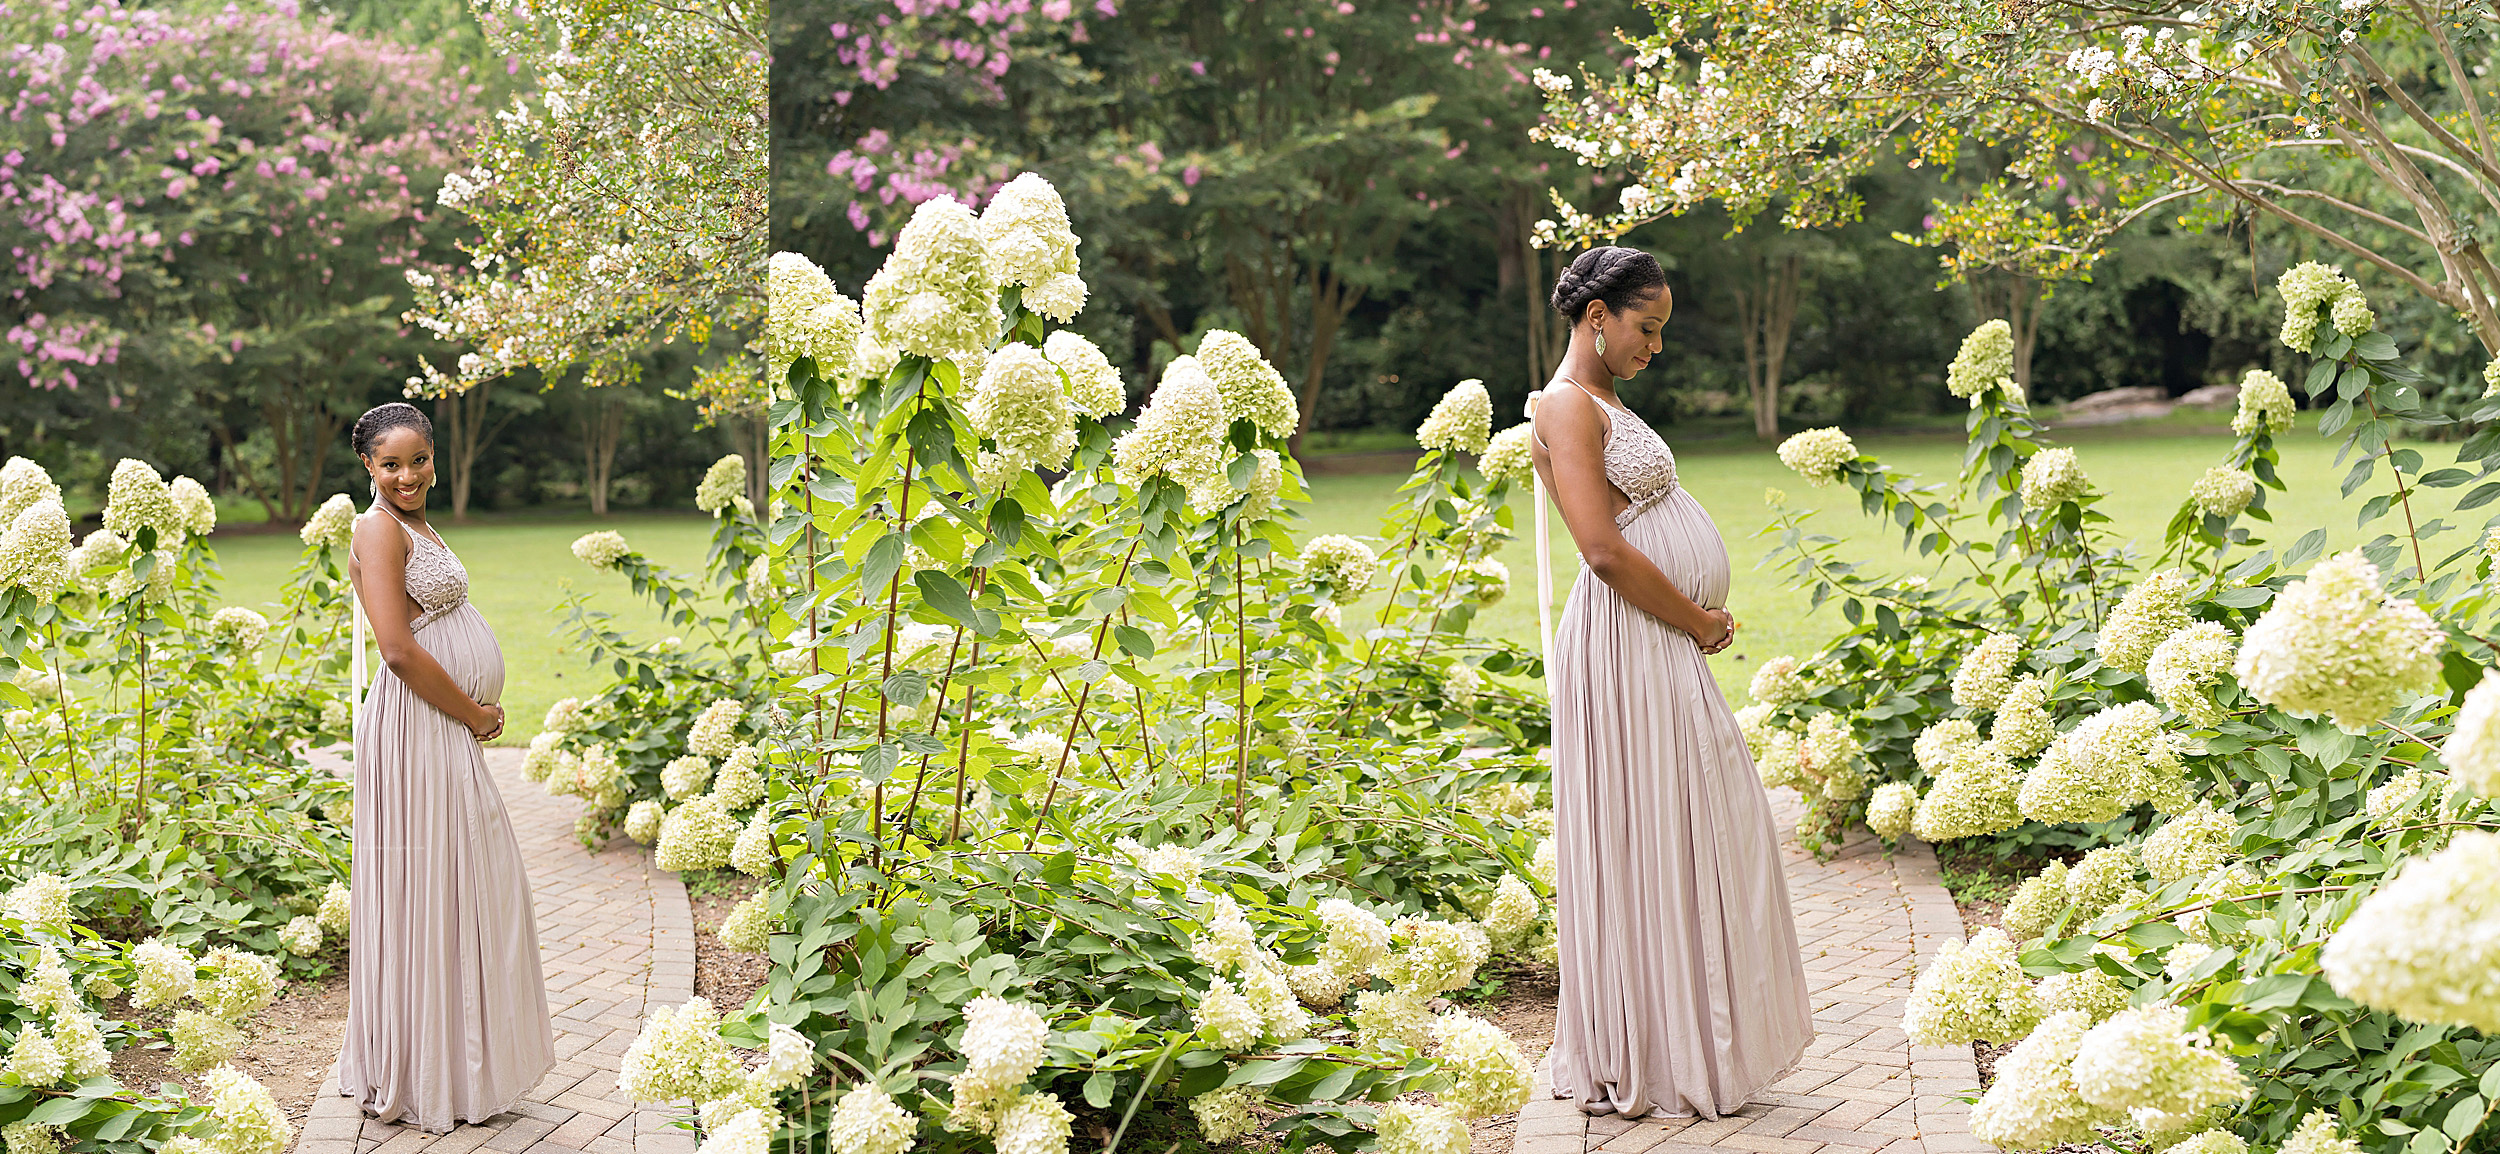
(749, 927)
(2189, 845)
(1460, 683)
(935, 296)
(1818, 454)
(1228, 940)
(1461, 422)
(302, 935)
(1344, 564)
(867, 1120)
(2051, 478)
(2088, 991)
(35, 549)
(202, 1039)
(2352, 315)
(1094, 387)
(1543, 865)
(642, 820)
(1034, 1124)
(679, 1054)
(1780, 681)
(1224, 1115)
(1030, 242)
(1251, 387)
(1181, 432)
(23, 485)
(2094, 772)
(2319, 1132)
(2151, 611)
(755, 853)
(1356, 941)
(2103, 878)
(1985, 361)
(29, 1138)
(137, 498)
(1002, 1046)
(1383, 1018)
(249, 1119)
(239, 627)
(2145, 1062)
(2472, 751)
(1486, 580)
(1270, 992)
(332, 524)
(601, 550)
(46, 988)
(1513, 911)
(1938, 745)
(1421, 1128)
(1828, 757)
(100, 549)
(2306, 287)
(2183, 959)
(748, 1131)
(1890, 812)
(167, 973)
(2223, 492)
(1977, 795)
(83, 1053)
(2265, 405)
(1507, 456)
(723, 484)
(1489, 1075)
(565, 716)
(696, 835)
(1439, 956)
(1973, 991)
(2023, 726)
(42, 900)
(1020, 405)
(2188, 661)
(1754, 722)
(686, 776)
(2334, 643)
(805, 316)
(715, 731)
(2036, 905)
(2034, 1103)
(2426, 946)
(334, 908)
(1987, 674)
(2389, 804)
(1225, 1018)
(243, 984)
(198, 510)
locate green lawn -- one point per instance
(520, 568)
(2145, 470)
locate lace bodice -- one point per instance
(1638, 463)
(434, 579)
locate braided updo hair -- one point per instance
(1621, 277)
(381, 419)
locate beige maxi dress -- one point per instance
(1682, 991)
(446, 1005)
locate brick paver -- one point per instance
(1866, 923)
(616, 940)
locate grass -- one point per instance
(521, 567)
(2144, 468)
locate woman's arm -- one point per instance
(381, 581)
(1575, 437)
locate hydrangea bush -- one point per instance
(2277, 760)
(1078, 789)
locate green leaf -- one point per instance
(2464, 1118)
(946, 595)
(1098, 1089)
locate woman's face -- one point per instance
(1633, 334)
(403, 465)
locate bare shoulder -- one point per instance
(1568, 416)
(378, 539)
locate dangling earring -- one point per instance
(1601, 342)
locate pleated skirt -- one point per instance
(1682, 990)
(446, 1007)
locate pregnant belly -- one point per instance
(1678, 536)
(466, 649)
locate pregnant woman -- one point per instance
(1682, 991)
(446, 1007)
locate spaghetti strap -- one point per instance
(1608, 409)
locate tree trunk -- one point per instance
(460, 420)
(2015, 299)
(759, 455)
(1766, 314)
(601, 421)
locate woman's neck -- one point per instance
(1585, 369)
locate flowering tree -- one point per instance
(2358, 126)
(226, 200)
(621, 206)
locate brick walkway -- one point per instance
(1866, 924)
(616, 939)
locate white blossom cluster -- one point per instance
(1181, 432)
(1461, 422)
(2265, 405)
(601, 550)
(2389, 804)
(1342, 563)
(1972, 991)
(1224, 1115)
(642, 820)
(2309, 286)
(2036, 904)
(2472, 751)
(1025, 230)
(2152, 610)
(1488, 1073)
(696, 835)
(935, 296)
(2223, 492)
(242, 985)
(1978, 794)
(1780, 681)
(1020, 405)
(1937, 746)
(686, 776)
(34, 530)
(1171, 860)
(1513, 912)
(197, 509)
(240, 627)
(679, 1054)
(2034, 1103)
(867, 1120)
(2023, 726)
(805, 316)
(1094, 387)
(2185, 663)
(1988, 673)
(41, 901)
(2104, 878)
(2114, 759)
(1818, 454)
(1485, 580)
(724, 484)
(714, 732)
(2334, 643)
(2188, 845)
(2088, 991)
(2146, 1063)
(2051, 478)
(246, 1116)
(750, 925)
(1890, 812)
(1507, 456)
(755, 852)
(2320, 1132)
(2426, 946)
(1984, 362)
(332, 524)
(1252, 389)
(137, 498)
(1422, 1128)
